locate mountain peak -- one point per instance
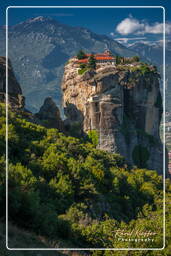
(33, 22)
(39, 18)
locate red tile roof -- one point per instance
(82, 61)
(104, 58)
(97, 58)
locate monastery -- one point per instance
(105, 57)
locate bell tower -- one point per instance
(107, 52)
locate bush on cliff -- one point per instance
(93, 135)
(136, 58)
(81, 71)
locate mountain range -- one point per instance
(153, 53)
(39, 48)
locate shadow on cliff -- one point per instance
(73, 124)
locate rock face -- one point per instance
(124, 105)
(49, 115)
(15, 97)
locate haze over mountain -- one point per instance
(39, 48)
(153, 52)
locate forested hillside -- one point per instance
(71, 194)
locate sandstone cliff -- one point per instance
(123, 104)
(15, 97)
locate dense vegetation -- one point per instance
(123, 60)
(74, 195)
(142, 68)
(83, 68)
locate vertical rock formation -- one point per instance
(15, 97)
(49, 115)
(124, 105)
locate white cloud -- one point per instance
(131, 25)
(158, 28)
(126, 39)
(168, 28)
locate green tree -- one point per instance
(118, 60)
(136, 58)
(92, 62)
(94, 137)
(82, 66)
(81, 55)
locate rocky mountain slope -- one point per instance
(123, 104)
(46, 45)
(153, 52)
(15, 97)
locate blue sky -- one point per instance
(125, 25)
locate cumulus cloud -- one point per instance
(157, 28)
(131, 25)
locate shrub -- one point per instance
(82, 66)
(93, 135)
(144, 69)
(136, 58)
(82, 71)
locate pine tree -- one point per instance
(81, 55)
(92, 62)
